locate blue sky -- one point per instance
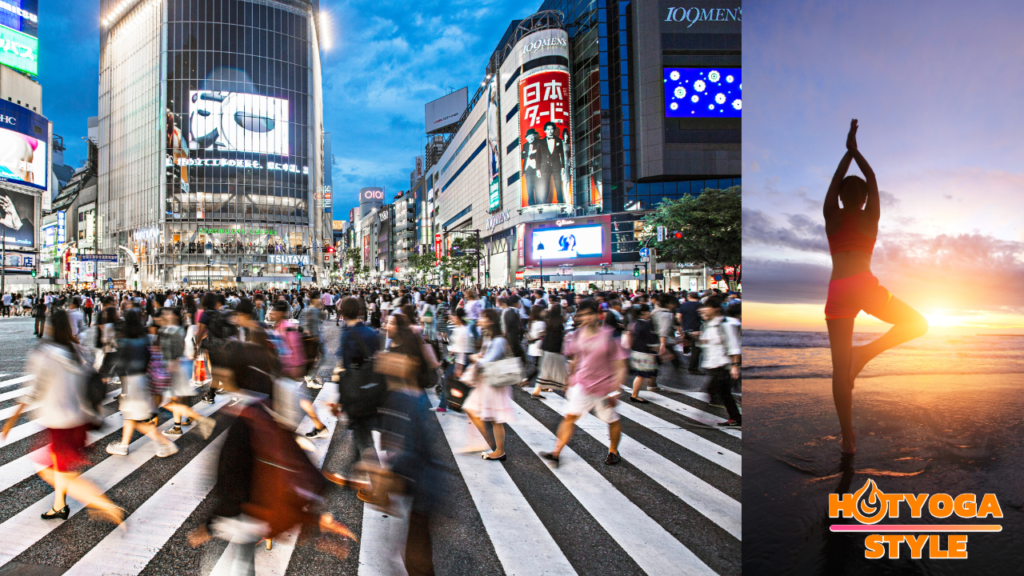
(387, 59)
(934, 86)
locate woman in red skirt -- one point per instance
(59, 392)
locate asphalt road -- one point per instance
(672, 506)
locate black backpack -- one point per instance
(219, 331)
(361, 390)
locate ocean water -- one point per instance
(777, 354)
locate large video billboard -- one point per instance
(17, 211)
(493, 145)
(703, 93)
(19, 51)
(231, 121)
(24, 146)
(545, 138)
(577, 241)
(446, 110)
(20, 15)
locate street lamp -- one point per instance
(209, 260)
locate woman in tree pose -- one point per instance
(852, 230)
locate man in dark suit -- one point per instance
(551, 154)
(531, 173)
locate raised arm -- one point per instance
(873, 205)
(831, 207)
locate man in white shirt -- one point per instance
(7, 305)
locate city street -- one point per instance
(672, 506)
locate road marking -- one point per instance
(153, 523)
(18, 380)
(701, 496)
(13, 394)
(687, 411)
(383, 534)
(703, 447)
(702, 396)
(647, 542)
(521, 541)
(26, 528)
(22, 431)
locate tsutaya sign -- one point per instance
(499, 218)
(288, 259)
(240, 231)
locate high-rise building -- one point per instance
(211, 140)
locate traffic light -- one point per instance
(33, 273)
(330, 249)
(636, 271)
(298, 275)
(677, 234)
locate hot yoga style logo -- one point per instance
(869, 506)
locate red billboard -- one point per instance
(545, 138)
(437, 247)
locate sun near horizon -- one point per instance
(811, 318)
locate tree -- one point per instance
(464, 256)
(422, 264)
(352, 256)
(711, 227)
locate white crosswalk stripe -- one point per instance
(522, 542)
(686, 410)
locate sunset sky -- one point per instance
(936, 88)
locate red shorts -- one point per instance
(848, 296)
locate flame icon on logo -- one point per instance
(871, 504)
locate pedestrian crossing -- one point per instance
(672, 506)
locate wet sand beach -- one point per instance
(915, 434)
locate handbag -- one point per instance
(505, 372)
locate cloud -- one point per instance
(802, 233)
(784, 282)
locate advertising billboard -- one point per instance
(578, 241)
(19, 51)
(20, 15)
(493, 145)
(16, 213)
(545, 138)
(703, 92)
(24, 146)
(370, 198)
(232, 121)
(446, 110)
(19, 263)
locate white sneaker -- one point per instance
(206, 426)
(165, 450)
(117, 449)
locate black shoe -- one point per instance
(550, 458)
(730, 424)
(501, 458)
(612, 459)
(62, 513)
(638, 400)
(315, 433)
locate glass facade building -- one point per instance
(234, 86)
(606, 58)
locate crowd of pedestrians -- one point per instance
(264, 353)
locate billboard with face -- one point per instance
(545, 138)
(17, 211)
(230, 121)
(24, 146)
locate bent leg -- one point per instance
(840, 337)
(907, 325)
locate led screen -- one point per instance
(17, 213)
(703, 93)
(567, 243)
(19, 51)
(232, 121)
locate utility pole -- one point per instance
(3, 260)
